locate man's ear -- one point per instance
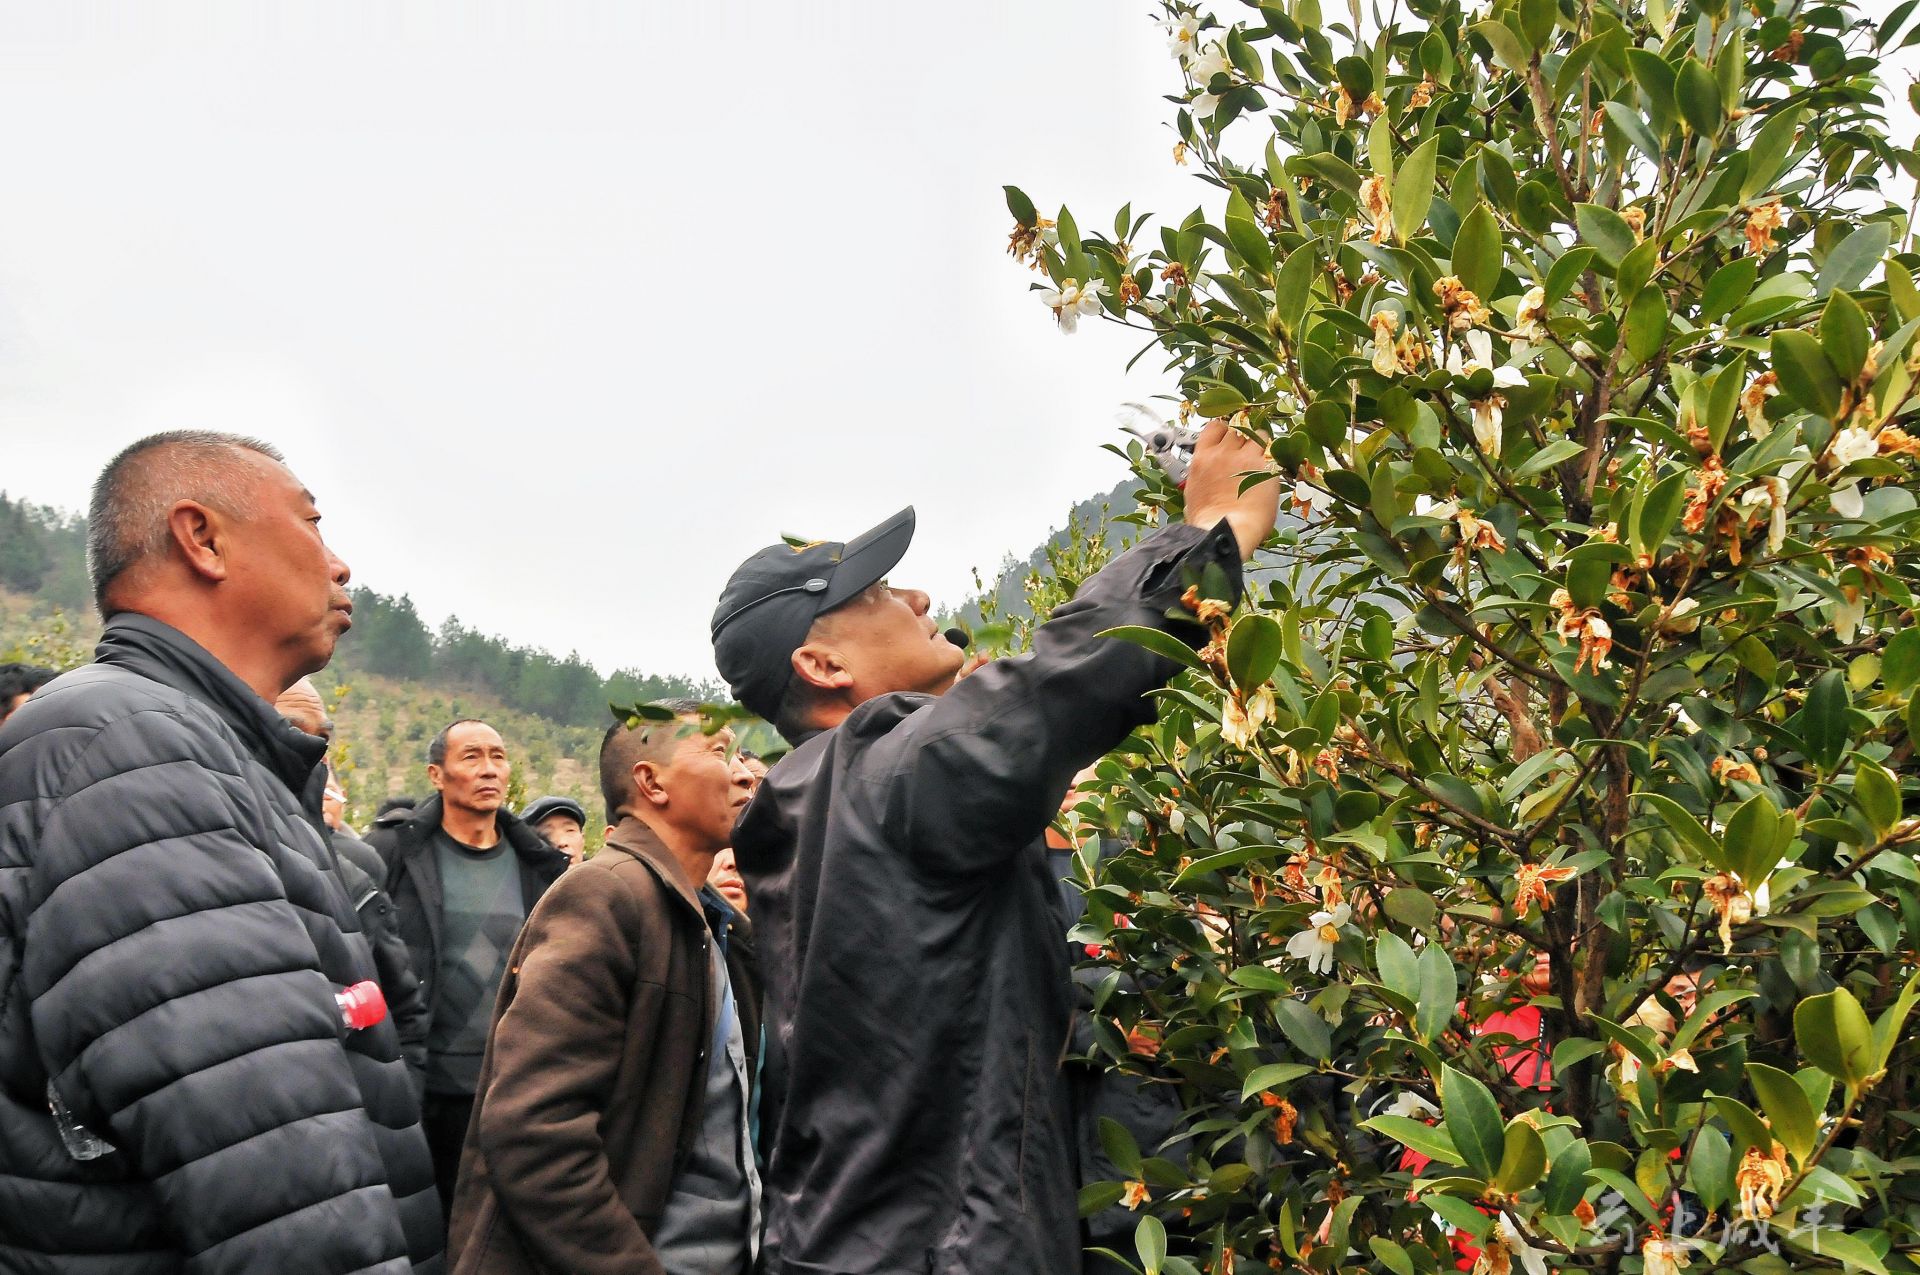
(200, 535)
(821, 666)
(646, 784)
(436, 776)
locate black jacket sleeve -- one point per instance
(180, 1011)
(393, 966)
(977, 774)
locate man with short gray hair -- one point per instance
(184, 1082)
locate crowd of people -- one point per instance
(816, 1020)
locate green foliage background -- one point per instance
(1582, 334)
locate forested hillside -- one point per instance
(395, 680)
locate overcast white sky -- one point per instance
(564, 307)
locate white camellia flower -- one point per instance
(1183, 35)
(1069, 301)
(1769, 493)
(1487, 416)
(1532, 1260)
(1528, 325)
(1847, 500)
(1478, 356)
(1210, 62)
(1204, 105)
(1846, 616)
(1310, 500)
(1851, 444)
(1412, 1106)
(1315, 945)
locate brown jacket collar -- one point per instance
(633, 837)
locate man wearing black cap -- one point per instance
(915, 1117)
(561, 823)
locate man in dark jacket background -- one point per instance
(612, 1132)
(916, 1117)
(362, 871)
(463, 873)
(178, 1091)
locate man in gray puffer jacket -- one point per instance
(179, 1090)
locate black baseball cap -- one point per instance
(774, 597)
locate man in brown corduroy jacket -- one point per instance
(612, 1125)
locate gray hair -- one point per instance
(127, 520)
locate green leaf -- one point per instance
(1606, 230)
(1270, 1076)
(1439, 993)
(1413, 189)
(1380, 148)
(1560, 449)
(1219, 400)
(1785, 1105)
(1826, 719)
(1570, 266)
(1646, 325)
(1391, 1255)
(1248, 239)
(1567, 1179)
(1589, 570)
(1398, 965)
(1157, 641)
(1710, 1168)
(1121, 1149)
(1699, 98)
(1629, 1191)
(1636, 268)
(1150, 1241)
(1681, 822)
(1836, 1037)
(1656, 517)
(1728, 288)
(1472, 1121)
(1429, 1140)
(1748, 1130)
(1849, 1252)
(1477, 251)
(1844, 335)
(1637, 129)
(1655, 76)
(1020, 206)
(1854, 258)
(1098, 1197)
(1806, 376)
(1768, 150)
(1292, 286)
(1537, 19)
(1886, 1028)
(1900, 662)
(1253, 650)
(1750, 840)
(1877, 794)
(1306, 1029)
(1523, 1158)
(1507, 46)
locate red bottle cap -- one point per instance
(362, 1005)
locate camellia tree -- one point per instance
(1524, 873)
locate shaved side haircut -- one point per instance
(623, 747)
(127, 518)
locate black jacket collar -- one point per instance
(416, 834)
(161, 653)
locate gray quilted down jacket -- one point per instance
(171, 937)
